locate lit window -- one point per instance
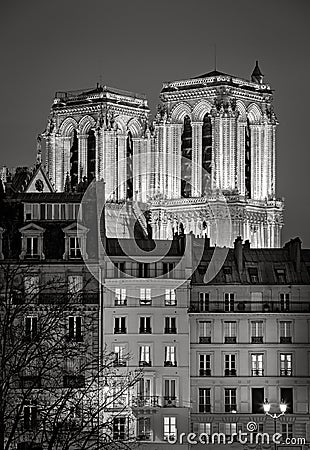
(170, 427)
(285, 364)
(75, 243)
(170, 355)
(75, 328)
(230, 429)
(32, 242)
(204, 301)
(204, 332)
(285, 332)
(145, 355)
(30, 416)
(120, 297)
(204, 365)
(285, 302)
(120, 428)
(230, 332)
(119, 353)
(145, 296)
(170, 298)
(74, 248)
(229, 299)
(257, 366)
(257, 332)
(204, 428)
(230, 365)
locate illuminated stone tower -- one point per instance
(208, 156)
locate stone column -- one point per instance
(175, 150)
(196, 159)
(122, 169)
(82, 157)
(240, 159)
(99, 154)
(66, 157)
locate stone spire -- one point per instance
(257, 76)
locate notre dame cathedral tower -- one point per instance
(212, 143)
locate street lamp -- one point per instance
(274, 416)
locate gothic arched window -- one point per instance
(74, 160)
(247, 159)
(186, 149)
(206, 152)
(91, 155)
(129, 155)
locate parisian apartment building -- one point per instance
(164, 237)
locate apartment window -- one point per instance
(170, 325)
(170, 427)
(257, 366)
(204, 365)
(120, 297)
(230, 365)
(230, 429)
(285, 332)
(167, 269)
(169, 392)
(119, 269)
(227, 274)
(257, 332)
(145, 355)
(286, 394)
(253, 275)
(204, 298)
(145, 325)
(75, 285)
(144, 270)
(230, 332)
(120, 428)
(229, 300)
(285, 364)
(30, 416)
(31, 328)
(32, 285)
(145, 392)
(257, 400)
(280, 275)
(120, 325)
(256, 301)
(74, 376)
(170, 297)
(204, 398)
(145, 296)
(74, 248)
(230, 395)
(32, 242)
(75, 328)
(32, 245)
(170, 356)
(286, 431)
(204, 428)
(204, 332)
(144, 429)
(119, 352)
(285, 302)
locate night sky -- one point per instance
(49, 46)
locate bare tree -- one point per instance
(55, 391)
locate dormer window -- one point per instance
(75, 242)
(32, 242)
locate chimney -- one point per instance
(294, 251)
(238, 250)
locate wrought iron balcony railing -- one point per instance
(230, 372)
(142, 401)
(257, 372)
(246, 305)
(285, 372)
(205, 372)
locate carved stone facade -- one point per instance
(206, 164)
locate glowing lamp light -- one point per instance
(283, 407)
(267, 406)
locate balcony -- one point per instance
(146, 302)
(257, 340)
(170, 363)
(285, 339)
(142, 401)
(48, 298)
(120, 330)
(146, 436)
(246, 305)
(285, 372)
(118, 302)
(205, 372)
(230, 407)
(120, 363)
(145, 363)
(172, 330)
(170, 401)
(204, 339)
(145, 330)
(230, 339)
(230, 372)
(257, 372)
